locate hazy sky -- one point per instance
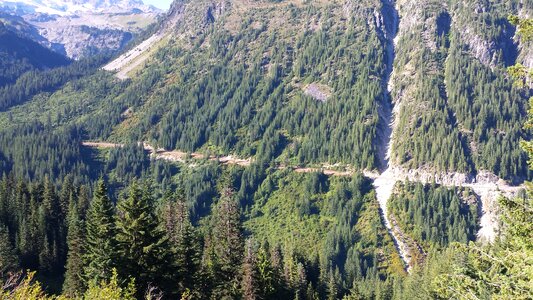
(162, 4)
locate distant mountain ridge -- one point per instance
(77, 28)
(66, 8)
(19, 54)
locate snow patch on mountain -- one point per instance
(74, 7)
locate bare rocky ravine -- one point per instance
(487, 186)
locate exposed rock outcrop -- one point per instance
(82, 28)
(490, 51)
(82, 41)
(184, 20)
(525, 56)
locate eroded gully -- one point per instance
(388, 112)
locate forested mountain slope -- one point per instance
(456, 109)
(256, 80)
(19, 55)
(373, 91)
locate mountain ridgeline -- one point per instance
(19, 55)
(79, 29)
(261, 131)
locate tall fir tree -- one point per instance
(52, 228)
(74, 283)
(250, 274)
(8, 259)
(101, 252)
(269, 278)
(228, 247)
(83, 202)
(143, 246)
(185, 245)
(31, 236)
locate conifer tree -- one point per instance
(74, 283)
(185, 245)
(332, 288)
(8, 259)
(268, 278)
(67, 192)
(52, 229)
(502, 270)
(30, 236)
(250, 276)
(100, 248)
(227, 246)
(279, 283)
(83, 201)
(46, 256)
(143, 245)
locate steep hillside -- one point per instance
(19, 55)
(456, 109)
(242, 75)
(448, 117)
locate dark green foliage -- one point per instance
(459, 111)
(8, 260)
(185, 246)
(239, 86)
(53, 230)
(143, 248)
(36, 150)
(101, 246)
(74, 268)
(250, 277)
(243, 91)
(268, 268)
(34, 82)
(227, 247)
(329, 241)
(199, 187)
(258, 107)
(491, 112)
(501, 270)
(128, 162)
(37, 225)
(435, 215)
(329, 228)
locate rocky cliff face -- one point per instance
(81, 41)
(490, 47)
(82, 28)
(71, 7)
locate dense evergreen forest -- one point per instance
(436, 215)
(302, 94)
(306, 236)
(289, 84)
(153, 238)
(471, 117)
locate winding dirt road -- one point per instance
(175, 155)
